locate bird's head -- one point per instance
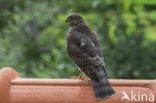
(74, 19)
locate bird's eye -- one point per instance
(72, 18)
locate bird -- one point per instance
(83, 47)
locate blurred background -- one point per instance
(33, 36)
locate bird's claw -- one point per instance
(85, 78)
(76, 78)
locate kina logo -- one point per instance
(125, 96)
(137, 96)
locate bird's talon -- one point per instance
(76, 78)
(85, 78)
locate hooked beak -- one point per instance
(67, 20)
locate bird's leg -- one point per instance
(85, 77)
(80, 77)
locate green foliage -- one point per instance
(33, 36)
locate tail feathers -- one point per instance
(102, 89)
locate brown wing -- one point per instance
(82, 49)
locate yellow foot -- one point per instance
(85, 78)
(78, 77)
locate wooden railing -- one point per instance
(14, 89)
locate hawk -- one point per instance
(84, 48)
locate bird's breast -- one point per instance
(68, 35)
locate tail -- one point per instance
(101, 86)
